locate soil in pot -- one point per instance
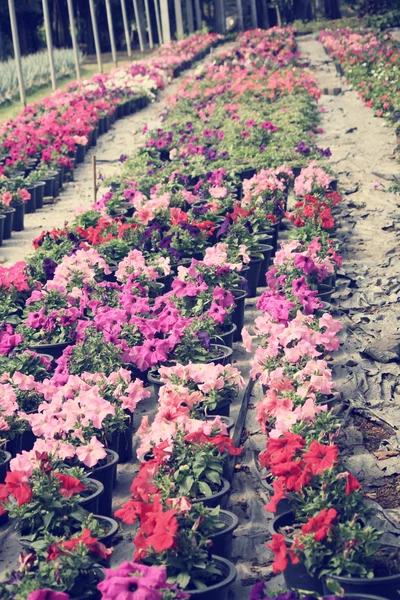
(219, 354)
(18, 224)
(217, 498)
(225, 338)
(55, 350)
(386, 580)
(220, 589)
(222, 541)
(90, 497)
(106, 474)
(4, 466)
(8, 222)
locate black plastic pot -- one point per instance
(18, 223)
(4, 466)
(218, 590)
(283, 505)
(50, 184)
(125, 449)
(222, 541)
(80, 153)
(2, 221)
(217, 498)
(325, 292)
(14, 446)
(226, 338)
(387, 587)
(330, 281)
(238, 313)
(166, 280)
(222, 409)
(30, 206)
(224, 354)
(8, 222)
(91, 503)
(28, 440)
(106, 474)
(273, 230)
(55, 350)
(39, 193)
(266, 251)
(296, 576)
(253, 274)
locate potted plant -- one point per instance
(47, 499)
(60, 569)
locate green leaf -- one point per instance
(183, 579)
(213, 477)
(205, 488)
(186, 485)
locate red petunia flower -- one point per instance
(320, 525)
(16, 482)
(69, 485)
(321, 457)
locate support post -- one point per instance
(197, 11)
(189, 12)
(148, 19)
(220, 23)
(178, 19)
(73, 38)
(49, 41)
(96, 35)
(157, 10)
(138, 24)
(166, 29)
(17, 51)
(126, 29)
(239, 9)
(111, 32)
(254, 21)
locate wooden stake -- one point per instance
(94, 178)
(17, 52)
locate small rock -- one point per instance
(384, 350)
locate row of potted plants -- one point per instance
(145, 287)
(369, 60)
(321, 540)
(41, 147)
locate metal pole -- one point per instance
(96, 35)
(138, 24)
(111, 32)
(146, 4)
(73, 37)
(197, 11)
(157, 9)
(178, 19)
(166, 29)
(17, 52)
(254, 21)
(220, 22)
(126, 28)
(94, 175)
(47, 26)
(189, 11)
(239, 9)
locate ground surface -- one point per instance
(366, 301)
